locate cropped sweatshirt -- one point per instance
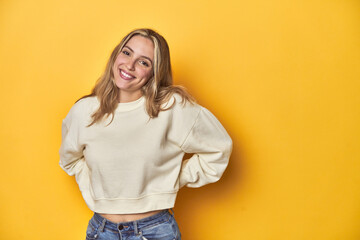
(135, 164)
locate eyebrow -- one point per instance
(141, 56)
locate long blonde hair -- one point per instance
(158, 89)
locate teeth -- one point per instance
(125, 74)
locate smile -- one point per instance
(126, 76)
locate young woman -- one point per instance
(125, 143)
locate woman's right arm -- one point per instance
(72, 159)
(71, 152)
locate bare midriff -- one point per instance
(117, 218)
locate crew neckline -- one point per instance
(127, 106)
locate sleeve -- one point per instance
(211, 147)
(71, 153)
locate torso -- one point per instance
(116, 218)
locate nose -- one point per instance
(130, 64)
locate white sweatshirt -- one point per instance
(135, 164)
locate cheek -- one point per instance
(146, 73)
(119, 60)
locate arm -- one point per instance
(211, 147)
(71, 154)
(72, 159)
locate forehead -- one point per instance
(141, 46)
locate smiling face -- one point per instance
(133, 67)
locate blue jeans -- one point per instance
(161, 226)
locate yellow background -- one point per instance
(282, 76)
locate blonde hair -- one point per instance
(157, 90)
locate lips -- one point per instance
(126, 76)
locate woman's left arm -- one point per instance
(211, 147)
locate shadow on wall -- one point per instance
(191, 201)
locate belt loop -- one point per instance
(172, 211)
(136, 230)
(101, 228)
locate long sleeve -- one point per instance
(72, 160)
(211, 147)
(71, 154)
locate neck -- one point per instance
(129, 97)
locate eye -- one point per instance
(125, 52)
(144, 63)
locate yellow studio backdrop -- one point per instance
(283, 77)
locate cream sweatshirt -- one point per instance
(135, 164)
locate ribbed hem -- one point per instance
(129, 206)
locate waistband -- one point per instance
(132, 226)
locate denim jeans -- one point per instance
(161, 226)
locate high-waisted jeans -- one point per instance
(161, 226)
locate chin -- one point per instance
(121, 84)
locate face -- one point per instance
(133, 66)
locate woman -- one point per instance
(125, 143)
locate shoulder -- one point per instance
(178, 102)
(182, 110)
(82, 109)
(192, 111)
